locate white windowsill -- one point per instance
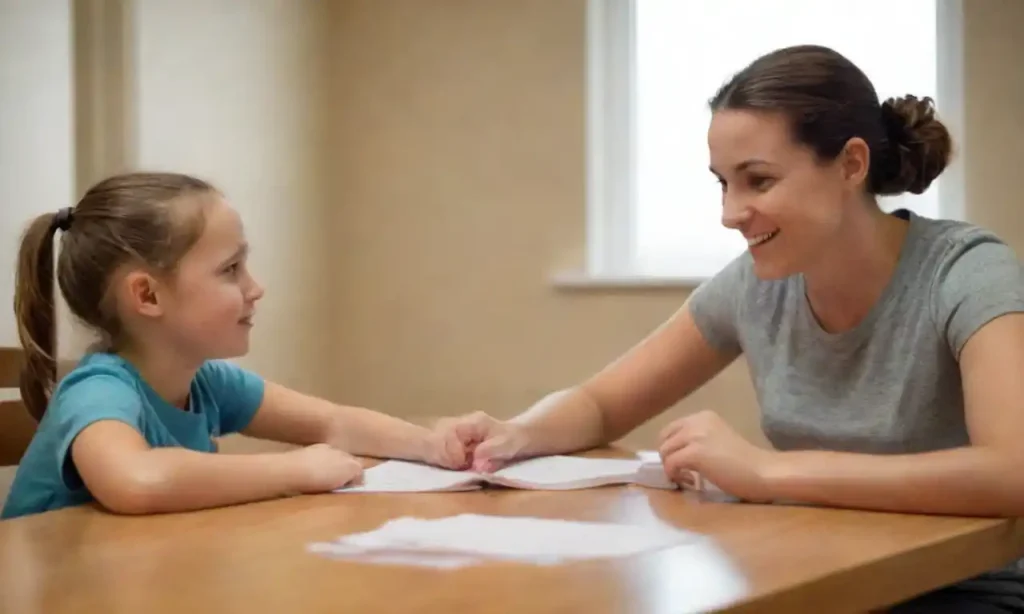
(582, 280)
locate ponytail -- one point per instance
(36, 313)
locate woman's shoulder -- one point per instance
(941, 243)
(966, 275)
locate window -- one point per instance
(653, 206)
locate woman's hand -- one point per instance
(480, 442)
(705, 443)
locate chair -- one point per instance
(16, 425)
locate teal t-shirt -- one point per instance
(223, 399)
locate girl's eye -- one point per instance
(232, 269)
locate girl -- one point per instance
(886, 349)
(156, 264)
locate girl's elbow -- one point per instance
(126, 503)
(137, 491)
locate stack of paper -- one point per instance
(544, 473)
(471, 538)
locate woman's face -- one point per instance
(788, 203)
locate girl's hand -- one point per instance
(479, 442)
(705, 443)
(442, 450)
(322, 468)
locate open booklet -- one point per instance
(542, 473)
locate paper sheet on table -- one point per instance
(526, 539)
(701, 577)
(543, 473)
(402, 476)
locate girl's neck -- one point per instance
(168, 374)
(843, 289)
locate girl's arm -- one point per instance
(987, 477)
(127, 476)
(292, 417)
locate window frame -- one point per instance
(611, 130)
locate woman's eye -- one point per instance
(761, 183)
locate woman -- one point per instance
(887, 350)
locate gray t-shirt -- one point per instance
(890, 385)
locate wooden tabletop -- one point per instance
(252, 559)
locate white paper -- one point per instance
(543, 473)
(566, 472)
(414, 559)
(701, 577)
(526, 539)
(402, 476)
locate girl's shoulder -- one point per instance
(97, 379)
(97, 368)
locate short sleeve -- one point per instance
(237, 392)
(84, 399)
(714, 305)
(980, 280)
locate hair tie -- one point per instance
(62, 220)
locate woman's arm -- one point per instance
(292, 417)
(668, 365)
(127, 476)
(680, 356)
(984, 479)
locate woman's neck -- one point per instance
(169, 375)
(843, 287)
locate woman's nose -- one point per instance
(734, 213)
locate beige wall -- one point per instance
(994, 116)
(419, 166)
(458, 190)
(36, 161)
(233, 91)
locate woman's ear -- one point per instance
(855, 162)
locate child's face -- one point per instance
(208, 308)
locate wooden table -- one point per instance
(251, 559)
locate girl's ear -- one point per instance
(140, 293)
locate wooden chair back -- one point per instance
(16, 425)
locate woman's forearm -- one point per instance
(562, 422)
(177, 479)
(969, 481)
